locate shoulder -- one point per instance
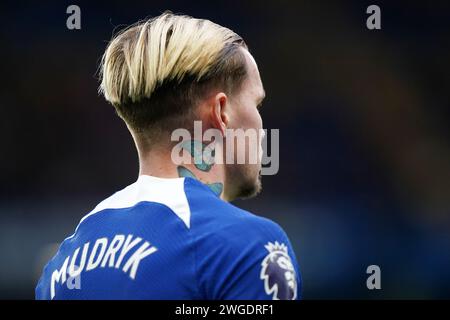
(210, 213)
(239, 255)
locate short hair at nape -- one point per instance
(155, 71)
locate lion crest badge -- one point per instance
(278, 273)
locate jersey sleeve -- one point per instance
(249, 259)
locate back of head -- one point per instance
(155, 72)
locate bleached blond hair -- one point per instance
(155, 71)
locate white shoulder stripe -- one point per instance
(169, 192)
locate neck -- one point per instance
(159, 163)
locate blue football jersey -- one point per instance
(172, 239)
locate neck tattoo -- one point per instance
(203, 161)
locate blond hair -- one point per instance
(152, 69)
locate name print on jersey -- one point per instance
(103, 253)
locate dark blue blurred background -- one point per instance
(364, 135)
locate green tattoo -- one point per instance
(203, 156)
(203, 160)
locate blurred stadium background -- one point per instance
(364, 135)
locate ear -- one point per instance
(220, 112)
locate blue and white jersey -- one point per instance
(172, 239)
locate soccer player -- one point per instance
(173, 234)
